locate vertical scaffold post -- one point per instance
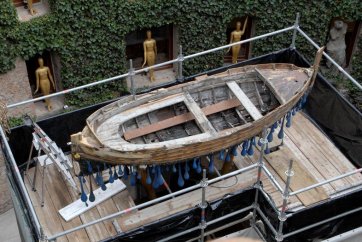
(282, 217)
(296, 25)
(180, 59)
(131, 75)
(263, 141)
(203, 205)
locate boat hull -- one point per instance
(88, 146)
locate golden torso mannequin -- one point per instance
(30, 7)
(43, 80)
(235, 36)
(150, 53)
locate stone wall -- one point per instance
(14, 87)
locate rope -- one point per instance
(4, 122)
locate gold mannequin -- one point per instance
(43, 76)
(235, 36)
(150, 53)
(30, 6)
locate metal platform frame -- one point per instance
(260, 166)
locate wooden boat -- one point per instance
(196, 118)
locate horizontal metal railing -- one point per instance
(150, 67)
(154, 201)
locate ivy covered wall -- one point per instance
(89, 36)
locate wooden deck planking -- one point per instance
(320, 160)
(189, 200)
(107, 207)
(301, 133)
(328, 149)
(279, 160)
(97, 231)
(60, 197)
(47, 214)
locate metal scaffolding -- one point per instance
(259, 166)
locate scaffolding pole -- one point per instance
(330, 59)
(18, 178)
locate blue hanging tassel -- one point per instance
(83, 196)
(270, 136)
(125, 172)
(98, 174)
(180, 180)
(120, 171)
(115, 175)
(186, 174)
(89, 167)
(148, 178)
(194, 164)
(234, 151)
(132, 179)
(251, 148)
(111, 179)
(167, 168)
(222, 154)
(211, 164)
(281, 132)
(289, 120)
(294, 111)
(160, 179)
(174, 169)
(187, 166)
(101, 182)
(267, 150)
(155, 179)
(245, 147)
(153, 169)
(92, 198)
(228, 158)
(199, 168)
(304, 100)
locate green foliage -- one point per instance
(89, 35)
(15, 121)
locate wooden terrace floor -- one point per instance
(315, 159)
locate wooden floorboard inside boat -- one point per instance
(315, 159)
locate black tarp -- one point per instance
(332, 112)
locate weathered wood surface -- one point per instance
(78, 207)
(59, 194)
(179, 119)
(244, 100)
(189, 200)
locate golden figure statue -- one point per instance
(43, 76)
(235, 36)
(30, 6)
(150, 53)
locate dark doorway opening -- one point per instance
(164, 39)
(244, 49)
(32, 65)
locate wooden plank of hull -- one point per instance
(245, 101)
(183, 118)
